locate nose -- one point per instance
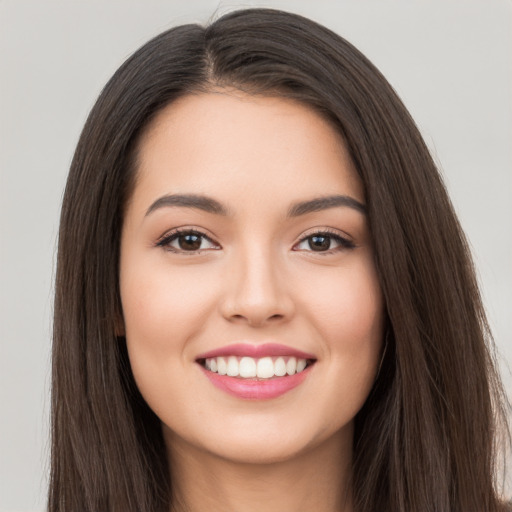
(255, 290)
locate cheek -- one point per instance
(163, 309)
(346, 307)
(163, 306)
(348, 302)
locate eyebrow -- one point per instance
(324, 203)
(211, 205)
(199, 202)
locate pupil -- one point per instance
(190, 242)
(319, 243)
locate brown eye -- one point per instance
(187, 242)
(324, 242)
(319, 243)
(190, 242)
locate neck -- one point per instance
(318, 479)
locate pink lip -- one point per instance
(253, 389)
(255, 351)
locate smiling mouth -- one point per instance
(263, 368)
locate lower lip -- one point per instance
(252, 389)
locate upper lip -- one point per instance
(256, 351)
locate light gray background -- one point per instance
(449, 60)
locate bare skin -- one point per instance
(256, 263)
(315, 481)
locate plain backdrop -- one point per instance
(450, 61)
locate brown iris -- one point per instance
(189, 242)
(319, 243)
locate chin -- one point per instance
(260, 453)
(269, 444)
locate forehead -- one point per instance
(230, 144)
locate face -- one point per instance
(252, 311)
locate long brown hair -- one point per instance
(426, 439)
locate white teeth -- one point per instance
(265, 368)
(222, 367)
(280, 367)
(232, 370)
(291, 366)
(249, 367)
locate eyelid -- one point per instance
(326, 231)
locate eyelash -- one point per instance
(168, 238)
(344, 243)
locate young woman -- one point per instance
(264, 300)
